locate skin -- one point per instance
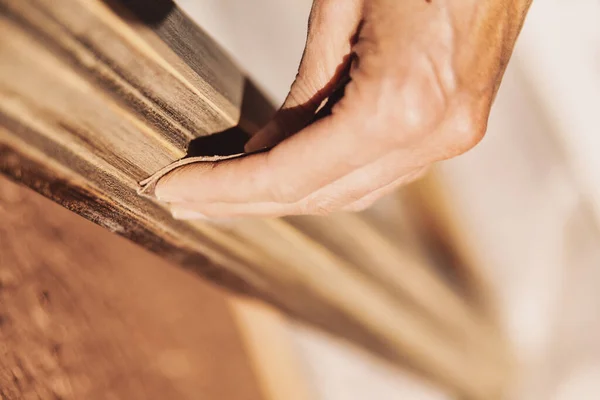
(424, 76)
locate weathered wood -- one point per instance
(94, 98)
(86, 315)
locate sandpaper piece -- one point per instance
(148, 185)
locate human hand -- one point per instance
(424, 74)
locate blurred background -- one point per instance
(528, 196)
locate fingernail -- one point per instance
(188, 215)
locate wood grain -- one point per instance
(87, 315)
(96, 96)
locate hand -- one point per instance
(423, 74)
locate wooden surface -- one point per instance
(88, 111)
(87, 315)
(95, 97)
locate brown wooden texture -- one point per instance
(87, 315)
(95, 97)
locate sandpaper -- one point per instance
(148, 185)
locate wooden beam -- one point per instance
(90, 108)
(96, 96)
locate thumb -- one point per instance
(331, 29)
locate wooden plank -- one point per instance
(94, 98)
(87, 315)
(95, 137)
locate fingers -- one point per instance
(359, 188)
(357, 184)
(332, 25)
(317, 205)
(324, 152)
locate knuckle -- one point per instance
(416, 123)
(407, 115)
(415, 111)
(467, 128)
